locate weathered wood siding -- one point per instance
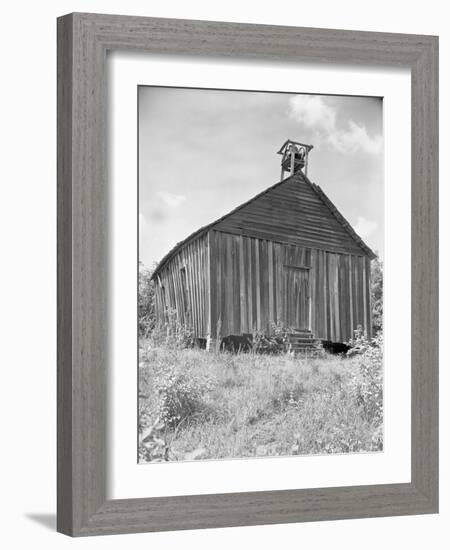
(252, 281)
(182, 288)
(340, 295)
(294, 211)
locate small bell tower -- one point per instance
(294, 157)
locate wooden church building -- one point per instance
(286, 256)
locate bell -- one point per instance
(294, 157)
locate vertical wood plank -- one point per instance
(257, 286)
(356, 293)
(229, 286)
(192, 261)
(198, 251)
(211, 289)
(243, 327)
(202, 267)
(369, 297)
(361, 291)
(219, 258)
(337, 333)
(249, 284)
(194, 288)
(350, 282)
(365, 296)
(316, 300)
(312, 291)
(330, 301)
(236, 283)
(263, 284)
(199, 270)
(325, 295)
(274, 271)
(279, 283)
(346, 301)
(254, 294)
(270, 282)
(224, 298)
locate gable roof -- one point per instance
(338, 231)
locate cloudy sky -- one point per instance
(204, 152)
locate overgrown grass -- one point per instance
(196, 404)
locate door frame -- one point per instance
(309, 306)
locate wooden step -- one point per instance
(301, 341)
(305, 351)
(309, 344)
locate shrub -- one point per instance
(171, 400)
(359, 343)
(180, 397)
(146, 302)
(318, 351)
(367, 384)
(290, 396)
(275, 342)
(376, 294)
(172, 334)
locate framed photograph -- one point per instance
(247, 274)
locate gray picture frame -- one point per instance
(83, 41)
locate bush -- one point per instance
(367, 384)
(319, 351)
(180, 397)
(174, 399)
(376, 294)
(274, 343)
(359, 343)
(146, 302)
(172, 334)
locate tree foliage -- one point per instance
(146, 301)
(376, 294)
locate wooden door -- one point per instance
(296, 293)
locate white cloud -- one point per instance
(320, 116)
(312, 111)
(355, 139)
(171, 200)
(364, 227)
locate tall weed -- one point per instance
(172, 334)
(367, 383)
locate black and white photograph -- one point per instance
(260, 275)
